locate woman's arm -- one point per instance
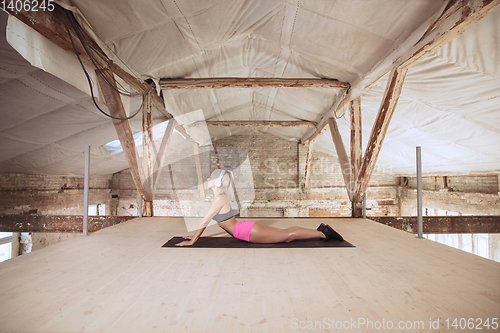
(216, 206)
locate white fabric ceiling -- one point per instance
(449, 105)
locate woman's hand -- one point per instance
(186, 243)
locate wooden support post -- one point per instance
(379, 130)
(356, 144)
(356, 153)
(122, 127)
(147, 153)
(342, 155)
(196, 151)
(308, 165)
(443, 184)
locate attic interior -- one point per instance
(314, 105)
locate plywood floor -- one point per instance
(121, 280)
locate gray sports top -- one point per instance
(226, 216)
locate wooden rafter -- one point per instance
(116, 109)
(255, 123)
(379, 130)
(342, 155)
(49, 25)
(237, 82)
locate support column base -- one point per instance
(147, 208)
(357, 209)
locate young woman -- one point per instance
(250, 231)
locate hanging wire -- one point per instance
(99, 69)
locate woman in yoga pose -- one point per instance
(221, 184)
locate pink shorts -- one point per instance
(242, 230)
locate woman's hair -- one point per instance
(226, 183)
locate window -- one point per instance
(8, 241)
(97, 210)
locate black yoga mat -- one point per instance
(231, 242)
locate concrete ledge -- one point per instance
(444, 224)
(57, 223)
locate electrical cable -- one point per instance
(99, 70)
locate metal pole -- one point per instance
(86, 191)
(419, 192)
(139, 213)
(364, 206)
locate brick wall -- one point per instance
(272, 170)
(49, 195)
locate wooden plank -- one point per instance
(162, 152)
(255, 123)
(444, 224)
(122, 127)
(48, 24)
(196, 152)
(127, 282)
(379, 130)
(56, 223)
(342, 155)
(308, 165)
(243, 82)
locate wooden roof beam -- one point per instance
(240, 82)
(255, 123)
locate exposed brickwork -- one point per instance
(49, 195)
(274, 169)
(453, 202)
(471, 184)
(269, 169)
(65, 223)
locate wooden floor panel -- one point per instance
(120, 279)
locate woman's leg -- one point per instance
(264, 234)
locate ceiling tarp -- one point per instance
(449, 104)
